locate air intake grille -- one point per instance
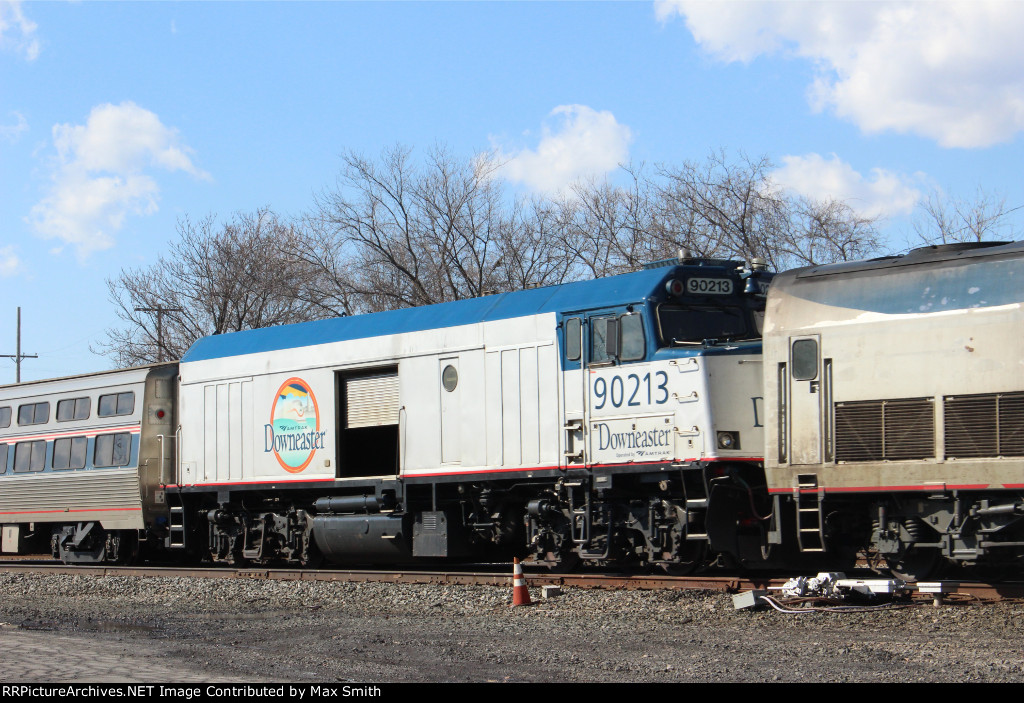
(885, 430)
(984, 425)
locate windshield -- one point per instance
(692, 324)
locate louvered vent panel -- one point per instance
(979, 426)
(970, 426)
(885, 430)
(1011, 425)
(859, 431)
(909, 428)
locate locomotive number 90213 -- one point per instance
(631, 391)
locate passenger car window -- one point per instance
(29, 456)
(5, 416)
(112, 450)
(73, 409)
(69, 453)
(116, 404)
(33, 413)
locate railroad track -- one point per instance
(491, 574)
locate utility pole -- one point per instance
(159, 310)
(19, 356)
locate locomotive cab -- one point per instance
(662, 399)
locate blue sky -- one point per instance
(116, 119)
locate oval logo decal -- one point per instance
(293, 434)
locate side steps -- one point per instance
(810, 533)
(176, 526)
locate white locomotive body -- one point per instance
(895, 394)
(574, 420)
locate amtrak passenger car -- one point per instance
(587, 420)
(83, 461)
(895, 405)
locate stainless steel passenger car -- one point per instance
(83, 460)
(895, 404)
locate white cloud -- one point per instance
(100, 175)
(10, 264)
(883, 194)
(12, 132)
(949, 71)
(586, 143)
(17, 32)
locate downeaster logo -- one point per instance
(293, 434)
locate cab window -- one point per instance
(694, 324)
(632, 330)
(573, 339)
(604, 339)
(617, 339)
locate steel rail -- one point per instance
(487, 576)
(491, 575)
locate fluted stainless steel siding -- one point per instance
(108, 495)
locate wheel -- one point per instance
(916, 564)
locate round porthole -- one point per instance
(449, 378)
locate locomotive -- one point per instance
(588, 421)
(698, 411)
(894, 396)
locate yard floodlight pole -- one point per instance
(159, 310)
(18, 356)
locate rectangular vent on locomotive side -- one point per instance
(885, 430)
(858, 431)
(909, 429)
(1011, 424)
(984, 426)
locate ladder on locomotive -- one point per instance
(810, 533)
(176, 522)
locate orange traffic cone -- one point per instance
(520, 593)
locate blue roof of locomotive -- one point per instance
(566, 297)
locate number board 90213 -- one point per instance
(709, 286)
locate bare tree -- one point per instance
(824, 232)
(403, 235)
(730, 208)
(718, 208)
(531, 248)
(609, 229)
(215, 279)
(947, 220)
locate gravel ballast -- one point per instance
(288, 631)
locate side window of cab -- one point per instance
(618, 338)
